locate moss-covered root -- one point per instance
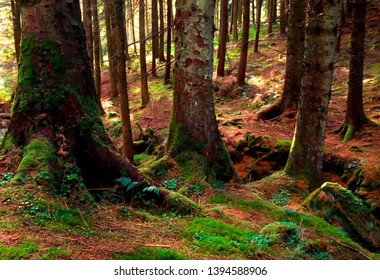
(337, 204)
(180, 204)
(38, 156)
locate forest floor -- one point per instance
(260, 219)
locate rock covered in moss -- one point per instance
(339, 205)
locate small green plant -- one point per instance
(7, 177)
(126, 183)
(219, 185)
(171, 184)
(281, 197)
(42, 178)
(193, 189)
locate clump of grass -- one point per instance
(151, 254)
(19, 252)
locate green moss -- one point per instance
(55, 253)
(179, 137)
(151, 254)
(37, 155)
(51, 51)
(221, 199)
(283, 146)
(19, 252)
(180, 204)
(193, 165)
(6, 144)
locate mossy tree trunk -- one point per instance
(244, 45)
(193, 125)
(355, 117)
(55, 114)
(288, 101)
(306, 154)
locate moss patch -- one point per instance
(151, 254)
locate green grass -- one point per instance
(151, 254)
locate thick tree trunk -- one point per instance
(288, 101)
(168, 41)
(55, 114)
(223, 35)
(193, 127)
(15, 5)
(259, 4)
(244, 45)
(306, 155)
(145, 99)
(355, 117)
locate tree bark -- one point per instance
(270, 17)
(15, 5)
(97, 53)
(288, 101)
(193, 127)
(162, 32)
(253, 13)
(355, 117)
(145, 99)
(223, 35)
(306, 154)
(55, 114)
(109, 18)
(87, 22)
(282, 18)
(244, 45)
(259, 4)
(168, 41)
(155, 37)
(234, 20)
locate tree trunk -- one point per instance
(109, 18)
(234, 20)
(244, 45)
(15, 5)
(145, 99)
(223, 35)
(132, 18)
(193, 129)
(155, 37)
(97, 53)
(253, 14)
(288, 101)
(306, 154)
(259, 4)
(282, 18)
(162, 32)
(239, 12)
(55, 114)
(168, 41)
(87, 23)
(355, 117)
(270, 17)
(349, 8)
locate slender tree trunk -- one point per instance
(145, 99)
(274, 12)
(193, 130)
(132, 18)
(282, 18)
(239, 13)
(270, 17)
(155, 37)
(244, 45)
(341, 22)
(109, 18)
(15, 5)
(259, 4)
(253, 13)
(55, 114)
(355, 117)
(306, 154)
(288, 101)
(122, 78)
(234, 20)
(87, 22)
(162, 31)
(97, 53)
(349, 8)
(223, 35)
(168, 41)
